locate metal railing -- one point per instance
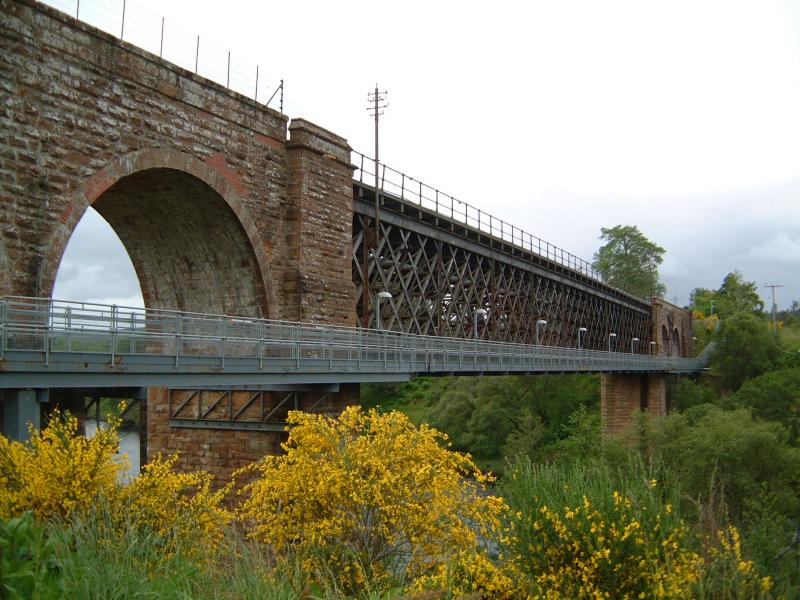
(413, 191)
(59, 331)
(168, 40)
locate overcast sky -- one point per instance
(562, 117)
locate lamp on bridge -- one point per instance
(378, 297)
(652, 348)
(634, 341)
(581, 331)
(611, 337)
(540, 324)
(478, 312)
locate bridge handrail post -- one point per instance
(47, 313)
(68, 325)
(134, 335)
(385, 351)
(224, 340)
(402, 185)
(297, 344)
(113, 326)
(260, 344)
(178, 331)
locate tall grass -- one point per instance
(101, 555)
(530, 484)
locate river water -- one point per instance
(128, 445)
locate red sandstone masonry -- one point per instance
(672, 318)
(217, 211)
(623, 395)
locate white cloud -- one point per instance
(780, 248)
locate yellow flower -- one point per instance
(368, 485)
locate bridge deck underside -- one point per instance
(439, 272)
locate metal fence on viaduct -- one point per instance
(225, 207)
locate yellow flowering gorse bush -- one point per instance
(58, 472)
(183, 504)
(470, 573)
(583, 552)
(726, 560)
(371, 494)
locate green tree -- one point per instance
(733, 296)
(492, 417)
(745, 348)
(791, 315)
(774, 396)
(683, 393)
(630, 261)
(746, 457)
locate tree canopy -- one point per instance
(733, 296)
(745, 349)
(630, 261)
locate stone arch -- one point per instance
(676, 342)
(210, 256)
(665, 342)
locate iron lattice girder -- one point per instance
(438, 276)
(193, 407)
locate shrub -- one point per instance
(728, 575)
(749, 459)
(57, 472)
(371, 497)
(180, 504)
(774, 396)
(745, 349)
(576, 538)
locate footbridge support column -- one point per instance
(623, 395)
(20, 410)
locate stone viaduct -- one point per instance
(223, 205)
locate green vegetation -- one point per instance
(727, 456)
(746, 348)
(630, 261)
(734, 296)
(493, 418)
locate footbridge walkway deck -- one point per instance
(48, 343)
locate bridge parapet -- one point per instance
(66, 342)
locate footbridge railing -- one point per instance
(51, 343)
